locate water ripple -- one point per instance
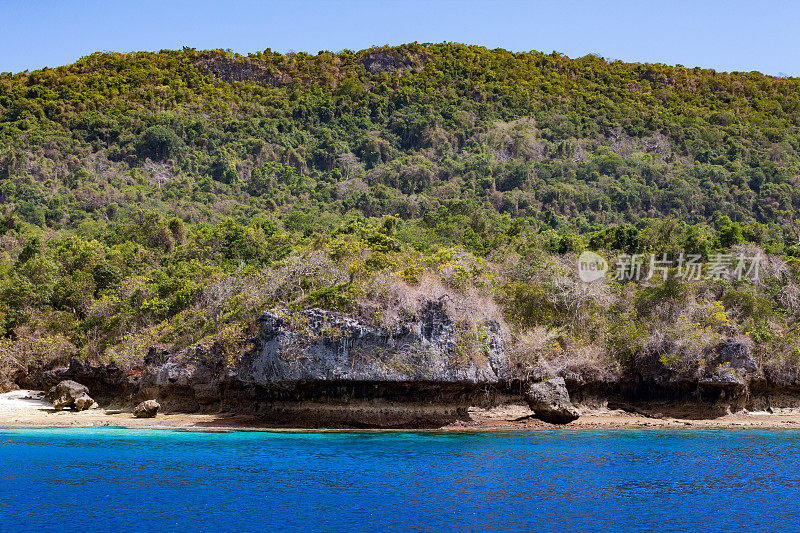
(113, 479)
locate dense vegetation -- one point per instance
(166, 198)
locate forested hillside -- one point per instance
(167, 198)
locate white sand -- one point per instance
(29, 408)
(24, 400)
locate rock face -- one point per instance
(109, 383)
(242, 69)
(316, 368)
(737, 355)
(336, 348)
(6, 385)
(728, 376)
(385, 61)
(725, 378)
(188, 381)
(69, 394)
(146, 409)
(549, 401)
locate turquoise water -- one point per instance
(131, 480)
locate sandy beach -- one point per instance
(27, 409)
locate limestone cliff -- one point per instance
(320, 346)
(316, 368)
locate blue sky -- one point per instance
(725, 35)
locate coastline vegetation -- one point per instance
(169, 198)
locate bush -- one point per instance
(159, 143)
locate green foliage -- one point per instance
(159, 142)
(338, 297)
(168, 197)
(626, 338)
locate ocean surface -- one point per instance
(567, 480)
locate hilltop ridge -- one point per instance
(578, 141)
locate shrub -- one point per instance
(159, 143)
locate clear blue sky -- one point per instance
(725, 35)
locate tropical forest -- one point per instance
(167, 199)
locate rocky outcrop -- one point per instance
(549, 401)
(723, 377)
(737, 355)
(728, 374)
(314, 365)
(322, 346)
(69, 394)
(146, 409)
(188, 381)
(109, 383)
(316, 368)
(231, 69)
(391, 61)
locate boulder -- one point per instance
(107, 381)
(70, 394)
(84, 402)
(146, 409)
(549, 401)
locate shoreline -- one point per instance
(26, 410)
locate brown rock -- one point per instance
(67, 393)
(84, 402)
(147, 409)
(549, 401)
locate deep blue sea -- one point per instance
(568, 480)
